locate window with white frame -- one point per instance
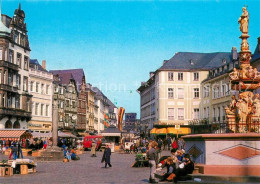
(47, 110)
(180, 76)
(42, 88)
(196, 113)
(170, 76)
(171, 93)
(196, 76)
(18, 59)
(180, 113)
(223, 90)
(170, 113)
(11, 56)
(31, 87)
(37, 87)
(196, 92)
(180, 93)
(42, 106)
(36, 108)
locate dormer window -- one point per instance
(191, 62)
(224, 61)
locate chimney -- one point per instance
(44, 64)
(151, 74)
(165, 61)
(234, 53)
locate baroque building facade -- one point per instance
(40, 86)
(15, 105)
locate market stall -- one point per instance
(112, 137)
(15, 134)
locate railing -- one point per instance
(225, 127)
(8, 65)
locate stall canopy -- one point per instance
(15, 134)
(49, 134)
(153, 131)
(170, 130)
(112, 131)
(161, 131)
(183, 130)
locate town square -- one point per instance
(130, 91)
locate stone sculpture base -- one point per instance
(53, 153)
(225, 154)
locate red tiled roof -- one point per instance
(11, 133)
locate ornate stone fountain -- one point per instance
(244, 112)
(234, 155)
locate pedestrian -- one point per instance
(106, 156)
(181, 143)
(19, 146)
(169, 140)
(93, 149)
(152, 157)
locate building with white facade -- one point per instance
(15, 99)
(40, 86)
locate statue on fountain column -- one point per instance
(243, 21)
(242, 108)
(234, 75)
(231, 109)
(256, 103)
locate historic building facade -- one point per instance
(216, 91)
(172, 95)
(82, 107)
(101, 102)
(58, 95)
(90, 108)
(15, 104)
(40, 86)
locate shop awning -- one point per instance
(14, 133)
(161, 131)
(49, 134)
(153, 131)
(183, 130)
(111, 134)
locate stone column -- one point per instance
(55, 123)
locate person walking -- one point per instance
(152, 157)
(93, 149)
(169, 140)
(19, 146)
(106, 156)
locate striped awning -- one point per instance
(13, 133)
(49, 134)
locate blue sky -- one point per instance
(118, 43)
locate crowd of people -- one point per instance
(17, 145)
(178, 164)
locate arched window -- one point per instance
(16, 124)
(8, 124)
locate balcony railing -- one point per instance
(8, 65)
(225, 127)
(9, 88)
(15, 112)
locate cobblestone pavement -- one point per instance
(86, 170)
